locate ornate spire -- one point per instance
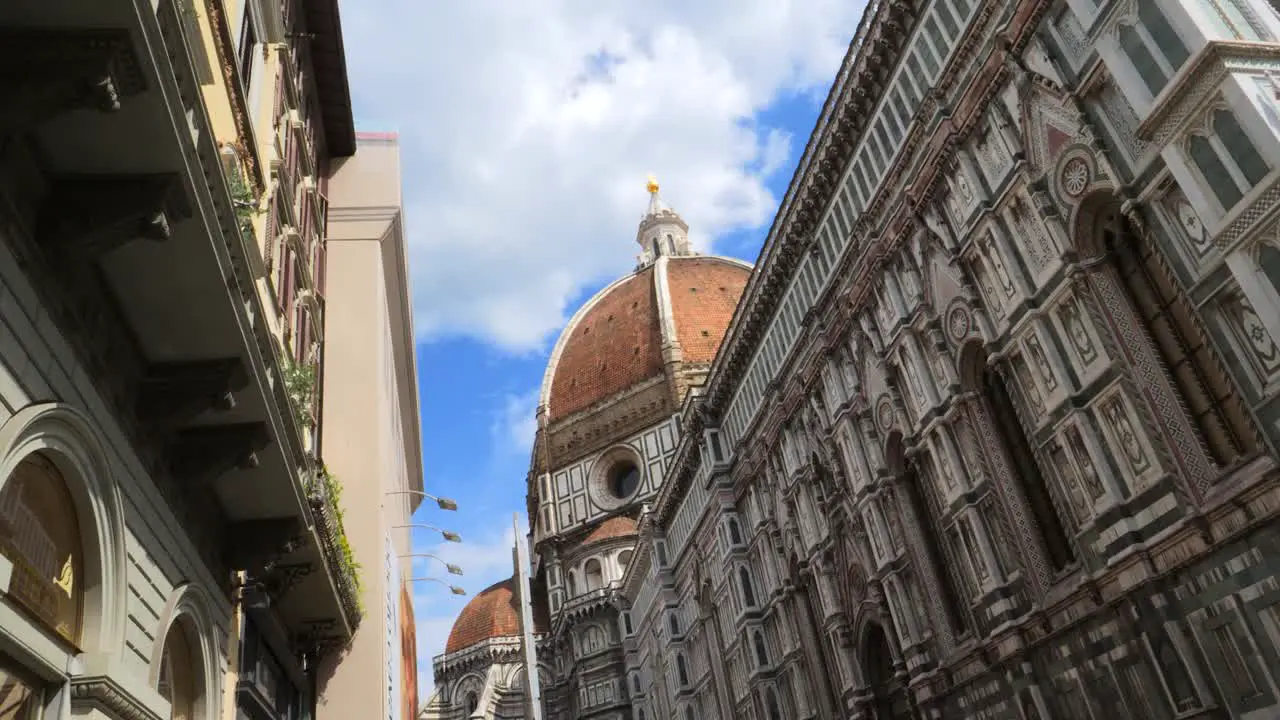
(662, 230)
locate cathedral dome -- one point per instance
(675, 308)
(493, 613)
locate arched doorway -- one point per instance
(889, 697)
(1167, 321)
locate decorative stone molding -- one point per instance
(103, 693)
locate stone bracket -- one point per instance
(46, 72)
(172, 394)
(203, 454)
(87, 216)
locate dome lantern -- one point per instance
(662, 232)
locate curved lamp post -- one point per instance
(453, 569)
(448, 535)
(452, 588)
(443, 502)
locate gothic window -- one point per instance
(1026, 469)
(624, 560)
(595, 575)
(673, 622)
(1227, 158)
(656, 253)
(473, 702)
(177, 681)
(682, 670)
(931, 517)
(573, 584)
(735, 535)
(1159, 302)
(771, 704)
(1153, 47)
(748, 595)
(762, 653)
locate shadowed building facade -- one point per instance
(166, 552)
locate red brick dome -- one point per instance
(493, 613)
(615, 341)
(617, 526)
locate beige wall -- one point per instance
(370, 436)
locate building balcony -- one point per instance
(121, 214)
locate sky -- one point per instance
(527, 132)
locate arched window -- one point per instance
(762, 653)
(44, 542)
(573, 584)
(671, 244)
(1227, 159)
(682, 670)
(673, 621)
(656, 252)
(473, 702)
(1153, 46)
(1025, 467)
(177, 682)
(748, 595)
(624, 559)
(771, 703)
(735, 534)
(595, 575)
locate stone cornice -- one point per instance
(103, 693)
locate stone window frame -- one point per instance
(1134, 481)
(1206, 128)
(1129, 16)
(1086, 370)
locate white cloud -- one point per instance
(514, 424)
(528, 129)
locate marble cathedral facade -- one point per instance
(993, 432)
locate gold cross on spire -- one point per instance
(652, 185)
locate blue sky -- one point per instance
(527, 131)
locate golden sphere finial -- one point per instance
(652, 185)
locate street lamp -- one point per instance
(453, 569)
(444, 503)
(448, 535)
(452, 588)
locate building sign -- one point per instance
(40, 536)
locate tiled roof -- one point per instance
(492, 613)
(704, 294)
(615, 527)
(616, 344)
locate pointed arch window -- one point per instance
(771, 705)
(472, 703)
(748, 594)
(1153, 47)
(1004, 416)
(682, 670)
(1227, 158)
(762, 652)
(735, 534)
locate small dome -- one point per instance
(617, 526)
(493, 613)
